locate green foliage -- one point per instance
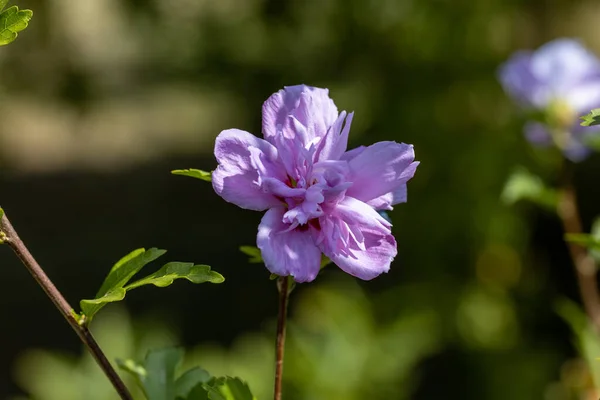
(590, 241)
(12, 21)
(253, 253)
(523, 185)
(591, 119)
(115, 285)
(157, 378)
(586, 339)
(194, 173)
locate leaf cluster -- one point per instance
(157, 376)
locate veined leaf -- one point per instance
(12, 21)
(116, 286)
(228, 388)
(194, 173)
(178, 270)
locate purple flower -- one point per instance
(320, 198)
(561, 79)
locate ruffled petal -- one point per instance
(380, 169)
(308, 106)
(390, 199)
(242, 157)
(371, 248)
(334, 144)
(287, 252)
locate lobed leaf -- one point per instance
(178, 270)
(115, 286)
(591, 119)
(12, 21)
(194, 173)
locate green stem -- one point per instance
(283, 285)
(11, 238)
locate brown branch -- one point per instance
(11, 238)
(584, 264)
(283, 285)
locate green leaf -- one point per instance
(178, 270)
(136, 370)
(228, 388)
(190, 380)
(590, 241)
(3, 4)
(586, 339)
(112, 287)
(194, 173)
(523, 185)
(1, 213)
(591, 119)
(12, 21)
(255, 257)
(115, 285)
(161, 365)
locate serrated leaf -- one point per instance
(12, 21)
(523, 185)
(586, 339)
(253, 253)
(228, 388)
(591, 119)
(112, 287)
(194, 173)
(178, 270)
(190, 380)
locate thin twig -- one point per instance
(584, 264)
(283, 285)
(12, 239)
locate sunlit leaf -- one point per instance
(112, 287)
(178, 270)
(228, 388)
(12, 21)
(591, 119)
(194, 173)
(116, 286)
(523, 185)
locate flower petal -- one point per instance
(236, 179)
(287, 252)
(390, 199)
(309, 106)
(380, 169)
(372, 248)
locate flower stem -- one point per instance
(283, 285)
(11, 238)
(584, 264)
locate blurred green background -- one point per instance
(100, 99)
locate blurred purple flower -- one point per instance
(319, 197)
(561, 79)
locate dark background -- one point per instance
(100, 99)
